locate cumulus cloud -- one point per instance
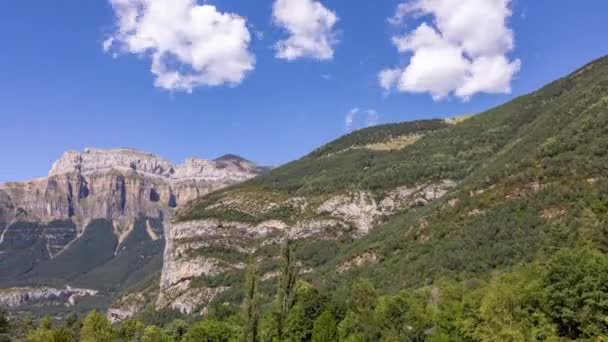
(310, 26)
(189, 45)
(461, 49)
(388, 78)
(357, 118)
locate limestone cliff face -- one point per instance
(192, 245)
(182, 263)
(15, 297)
(117, 184)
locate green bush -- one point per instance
(212, 331)
(97, 328)
(324, 328)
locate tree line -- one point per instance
(564, 297)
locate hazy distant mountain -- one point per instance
(97, 221)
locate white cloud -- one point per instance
(357, 118)
(461, 49)
(388, 78)
(190, 45)
(310, 26)
(400, 14)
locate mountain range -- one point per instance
(96, 223)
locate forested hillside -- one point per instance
(528, 173)
(545, 189)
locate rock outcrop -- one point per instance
(190, 245)
(14, 297)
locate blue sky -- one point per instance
(60, 90)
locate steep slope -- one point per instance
(97, 221)
(544, 190)
(405, 204)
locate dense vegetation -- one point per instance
(563, 297)
(545, 190)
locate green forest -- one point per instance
(564, 297)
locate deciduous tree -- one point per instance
(97, 328)
(324, 328)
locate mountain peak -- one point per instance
(96, 160)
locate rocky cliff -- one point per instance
(135, 192)
(119, 183)
(15, 297)
(324, 202)
(200, 250)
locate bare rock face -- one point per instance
(98, 160)
(190, 245)
(119, 183)
(14, 297)
(181, 263)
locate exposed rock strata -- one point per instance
(127, 307)
(120, 183)
(14, 297)
(353, 213)
(182, 263)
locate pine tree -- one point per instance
(131, 330)
(287, 285)
(46, 333)
(252, 303)
(592, 231)
(176, 329)
(153, 333)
